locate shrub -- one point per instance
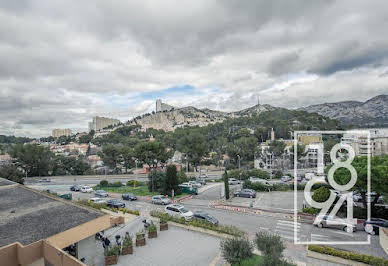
(255, 186)
(271, 247)
(130, 183)
(368, 259)
(104, 183)
(115, 184)
(322, 194)
(127, 242)
(140, 234)
(311, 210)
(152, 227)
(134, 212)
(112, 250)
(234, 250)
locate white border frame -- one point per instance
(296, 133)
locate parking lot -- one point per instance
(273, 201)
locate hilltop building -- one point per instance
(161, 107)
(102, 122)
(57, 132)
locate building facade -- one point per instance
(359, 141)
(100, 123)
(58, 132)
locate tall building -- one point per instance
(58, 132)
(359, 141)
(161, 107)
(102, 122)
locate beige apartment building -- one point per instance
(102, 122)
(358, 140)
(58, 132)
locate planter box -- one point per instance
(111, 260)
(152, 234)
(140, 242)
(127, 250)
(163, 227)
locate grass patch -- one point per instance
(252, 261)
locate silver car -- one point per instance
(101, 193)
(335, 222)
(161, 199)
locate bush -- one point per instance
(130, 183)
(271, 247)
(234, 250)
(311, 210)
(112, 250)
(322, 194)
(368, 259)
(245, 174)
(255, 186)
(135, 212)
(152, 227)
(104, 183)
(127, 242)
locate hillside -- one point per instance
(191, 116)
(371, 113)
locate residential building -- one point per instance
(358, 140)
(58, 132)
(100, 123)
(46, 230)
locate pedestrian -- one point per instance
(107, 242)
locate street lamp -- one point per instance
(238, 156)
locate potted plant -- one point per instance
(127, 245)
(111, 255)
(163, 225)
(152, 231)
(140, 238)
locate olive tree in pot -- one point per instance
(140, 238)
(163, 225)
(152, 231)
(111, 255)
(127, 245)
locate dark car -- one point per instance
(203, 216)
(246, 193)
(372, 226)
(129, 196)
(75, 188)
(115, 203)
(201, 181)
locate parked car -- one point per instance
(202, 176)
(86, 189)
(333, 222)
(372, 226)
(101, 193)
(161, 199)
(98, 201)
(201, 181)
(178, 211)
(195, 184)
(203, 216)
(233, 181)
(44, 180)
(286, 178)
(246, 193)
(75, 188)
(129, 196)
(115, 203)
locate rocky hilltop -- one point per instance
(371, 113)
(191, 116)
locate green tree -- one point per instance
(277, 147)
(171, 180)
(127, 155)
(11, 172)
(226, 184)
(110, 155)
(34, 159)
(234, 250)
(194, 146)
(152, 153)
(271, 247)
(322, 194)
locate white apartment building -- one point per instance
(359, 141)
(102, 122)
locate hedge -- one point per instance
(226, 229)
(367, 259)
(103, 206)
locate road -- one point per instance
(251, 223)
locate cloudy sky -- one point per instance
(63, 62)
